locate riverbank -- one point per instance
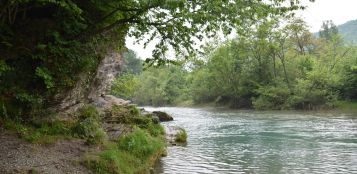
(342, 106)
(122, 141)
(349, 106)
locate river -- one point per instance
(231, 141)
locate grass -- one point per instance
(88, 126)
(181, 137)
(46, 133)
(135, 152)
(350, 106)
(132, 153)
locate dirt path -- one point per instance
(18, 156)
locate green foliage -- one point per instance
(132, 64)
(328, 30)
(131, 115)
(47, 78)
(271, 97)
(162, 86)
(44, 133)
(348, 85)
(124, 86)
(350, 106)
(3, 67)
(181, 137)
(132, 153)
(140, 144)
(89, 126)
(270, 67)
(47, 46)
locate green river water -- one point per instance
(230, 141)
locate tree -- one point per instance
(49, 46)
(176, 22)
(328, 30)
(132, 63)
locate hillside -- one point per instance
(349, 30)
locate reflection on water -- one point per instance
(221, 141)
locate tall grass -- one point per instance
(132, 153)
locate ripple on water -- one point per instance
(226, 141)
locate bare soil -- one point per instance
(20, 157)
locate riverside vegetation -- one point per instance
(133, 152)
(274, 66)
(57, 59)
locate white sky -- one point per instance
(339, 11)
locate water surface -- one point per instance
(228, 141)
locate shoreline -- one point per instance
(341, 106)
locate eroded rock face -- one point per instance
(93, 91)
(106, 72)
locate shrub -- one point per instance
(140, 144)
(133, 153)
(89, 125)
(271, 97)
(181, 137)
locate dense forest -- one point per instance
(272, 66)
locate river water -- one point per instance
(230, 141)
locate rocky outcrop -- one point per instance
(106, 72)
(91, 88)
(163, 116)
(106, 102)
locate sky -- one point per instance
(339, 11)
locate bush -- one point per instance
(140, 144)
(181, 137)
(312, 95)
(133, 153)
(271, 97)
(89, 125)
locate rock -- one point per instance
(106, 102)
(155, 119)
(89, 88)
(171, 133)
(163, 116)
(116, 130)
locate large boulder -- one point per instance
(163, 116)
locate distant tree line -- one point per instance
(271, 66)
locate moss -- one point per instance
(181, 137)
